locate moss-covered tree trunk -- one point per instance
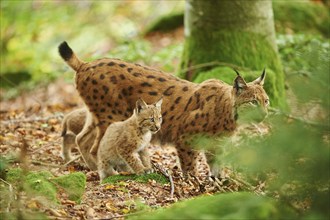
(234, 33)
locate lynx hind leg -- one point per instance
(189, 159)
(96, 143)
(67, 145)
(85, 140)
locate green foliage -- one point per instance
(301, 17)
(73, 184)
(294, 157)
(306, 61)
(32, 30)
(224, 206)
(138, 178)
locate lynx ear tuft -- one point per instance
(261, 79)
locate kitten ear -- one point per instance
(239, 83)
(140, 104)
(261, 79)
(158, 104)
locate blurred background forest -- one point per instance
(289, 162)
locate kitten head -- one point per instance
(251, 100)
(149, 116)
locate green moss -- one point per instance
(223, 206)
(38, 183)
(23, 215)
(166, 23)
(301, 17)
(13, 175)
(228, 75)
(138, 178)
(251, 51)
(45, 184)
(74, 184)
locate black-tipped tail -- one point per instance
(65, 51)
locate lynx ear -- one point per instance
(239, 83)
(158, 104)
(140, 104)
(261, 79)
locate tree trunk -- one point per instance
(234, 33)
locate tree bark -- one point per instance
(233, 33)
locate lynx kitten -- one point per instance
(124, 144)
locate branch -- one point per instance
(36, 162)
(10, 187)
(67, 163)
(277, 111)
(122, 216)
(213, 63)
(166, 174)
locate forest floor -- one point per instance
(33, 119)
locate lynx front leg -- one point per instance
(145, 158)
(105, 169)
(134, 162)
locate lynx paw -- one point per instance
(148, 170)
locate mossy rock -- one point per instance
(228, 75)
(138, 178)
(74, 184)
(166, 23)
(38, 183)
(224, 206)
(45, 184)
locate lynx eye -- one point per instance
(267, 102)
(152, 119)
(254, 102)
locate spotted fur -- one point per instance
(124, 144)
(110, 88)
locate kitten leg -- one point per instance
(105, 169)
(67, 144)
(145, 158)
(134, 162)
(124, 168)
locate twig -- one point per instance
(297, 118)
(67, 163)
(10, 187)
(36, 162)
(166, 174)
(13, 121)
(122, 216)
(213, 63)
